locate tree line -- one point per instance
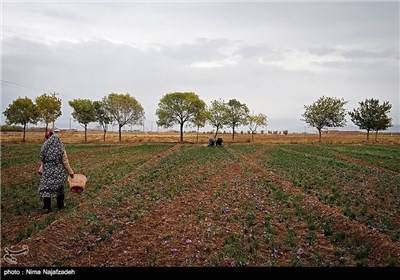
(180, 108)
(330, 112)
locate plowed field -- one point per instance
(191, 205)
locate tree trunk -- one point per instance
(376, 136)
(181, 132)
(85, 132)
(119, 131)
(252, 136)
(216, 133)
(45, 131)
(23, 138)
(319, 130)
(233, 132)
(367, 135)
(197, 136)
(104, 135)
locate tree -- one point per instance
(84, 112)
(325, 112)
(237, 114)
(124, 109)
(372, 116)
(200, 121)
(21, 111)
(218, 115)
(49, 108)
(102, 116)
(179, 108)
(255, 121)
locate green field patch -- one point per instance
(387, 157)
(365, 194)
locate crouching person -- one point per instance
(56, 168)
(211, 142)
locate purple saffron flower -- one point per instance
(299, 252)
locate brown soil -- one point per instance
(380, 243)
(188, 231)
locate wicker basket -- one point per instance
(77, 184)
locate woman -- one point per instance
(55, 169)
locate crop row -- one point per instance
(20, 201)
(364, 193)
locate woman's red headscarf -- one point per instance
(48, 134)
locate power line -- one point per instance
(12, 84)
(16, 85)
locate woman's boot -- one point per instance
(46, 204)
(60, 201)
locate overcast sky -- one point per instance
(274, 57)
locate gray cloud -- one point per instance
(63, 15)
(321, 50)
(201, 49)
(275, 57)
(356, 54)
(258, 51)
